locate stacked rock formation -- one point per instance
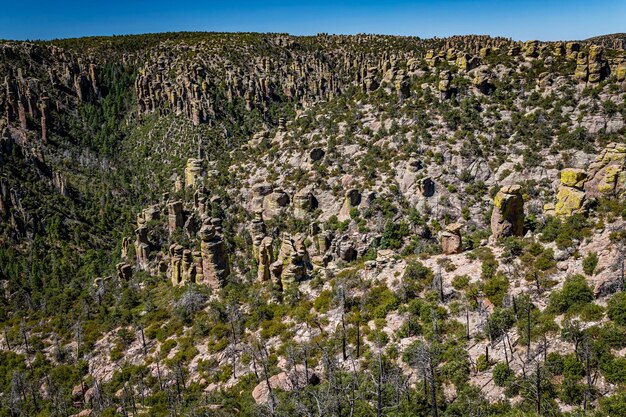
(142, 247)
(215, 266)
(193, 172)
(261, 247)
(507, 218)
(176, 261)
(444, 83)
(591, 67)
(292, 262)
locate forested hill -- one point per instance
(263, 224)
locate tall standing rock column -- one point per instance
(261, 247)
(215, 266)
(176, 260)
(507, 218)
(175, 215)
(193, 172)
(142, 247)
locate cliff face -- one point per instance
(278, 219)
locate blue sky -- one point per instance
(522, 20)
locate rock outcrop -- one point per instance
(292, 262)
(274, 203)
(592, 67)
(451, 239)
(571, 198)
(607, 174)
(304, 202)
(507, 218)
(351, 200)
(175, 218)
(295, 379)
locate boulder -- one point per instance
(352, 199)
(451, 241)
(274, 203)
(303, 202)
(569, 201)
(571, 198)
(346, 250)
(482, 80)
(297, 378)
(259, 191)
(572, 177)
(316, 154)
(507, 218)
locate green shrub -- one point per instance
(495, 288)
(393, 234)
(167, 346)
(590, 262)
(500, 321)
(554, 363)
(545, 260)
(323, 301)
(502, 374)
(572, 367)
(460, 282)
(572, 392)
(616, 309)
(592, 312)
(416, 277)
(614, 406)
(482, 364)
(614, 370)
(575, 293)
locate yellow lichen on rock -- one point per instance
(569, 201)
(573, 177)
(609, 180)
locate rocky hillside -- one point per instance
(220, 224)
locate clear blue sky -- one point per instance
(522, 20)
